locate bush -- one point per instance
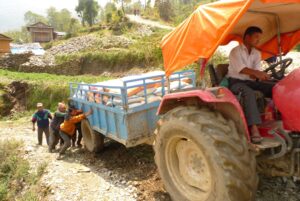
(218, 58)
(114, 58)
(70, 35)
(50, 95)
(15, 173)
(47, 46)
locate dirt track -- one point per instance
(116, 174)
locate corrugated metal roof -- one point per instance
(35, 48)
(3, 37)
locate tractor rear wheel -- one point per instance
(201, 156)
(93, 141)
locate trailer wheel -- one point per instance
(93, 141)
(201, 156)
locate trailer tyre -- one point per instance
(201, 156)
(93, 141)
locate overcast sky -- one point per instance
(12, 11)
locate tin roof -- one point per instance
(3, 37)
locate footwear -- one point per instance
(60, 157)
(255, 135)
(256, 139)
(79, 145)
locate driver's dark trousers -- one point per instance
(247, 90)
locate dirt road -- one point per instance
(117, 174)
(140, 20)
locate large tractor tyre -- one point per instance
(201, 157)
(93, 141)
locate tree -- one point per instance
(32, 18)
(123, 2)
(60, 20)
(110, 10)
(19, 36)
(165, 9)
(73, 26)
(87, 11)
(147, 4)
(137, 5)
(91, 11)
(80, 9)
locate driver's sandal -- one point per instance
(256, 139)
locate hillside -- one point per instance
(106, 49)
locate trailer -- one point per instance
(127, 111)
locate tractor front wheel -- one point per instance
(201, 156)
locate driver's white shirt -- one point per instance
(240, 58)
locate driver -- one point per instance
(245, 76)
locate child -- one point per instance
(41, 117)
(67, 128)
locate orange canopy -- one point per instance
(218, 23)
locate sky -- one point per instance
(12, 11)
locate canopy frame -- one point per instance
(278, 29)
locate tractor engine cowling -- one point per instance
(286, 96)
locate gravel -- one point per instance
(114, 174)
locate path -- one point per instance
(117, 174)
(140, 20)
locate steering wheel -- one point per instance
(279, 74)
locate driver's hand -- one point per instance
(262, 75)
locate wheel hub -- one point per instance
(193, 166)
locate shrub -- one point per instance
(47, 46)
(15, 173)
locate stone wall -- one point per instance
(14, 61)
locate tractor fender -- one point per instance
(217, 98)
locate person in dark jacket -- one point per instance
(58, 119)
(41, 117)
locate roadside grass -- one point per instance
(23, 116)
(49, 79)
(17, 181)
(46, 88)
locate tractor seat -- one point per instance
(218, 78)
(218, 74)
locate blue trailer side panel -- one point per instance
(128, 125)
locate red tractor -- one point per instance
(203, 149)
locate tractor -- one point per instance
(202, 146)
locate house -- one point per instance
(41, 33)
(59, 35)
(4, 44)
